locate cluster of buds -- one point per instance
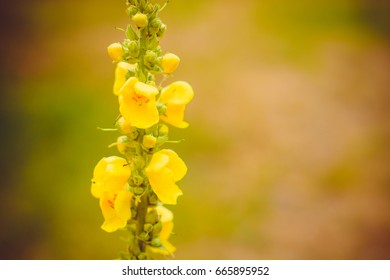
(133, 188)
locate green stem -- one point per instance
(142, 73)
(141, 215)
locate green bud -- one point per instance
(134, 48)
(154, 25)
(144, 236)
(150, 59)
(163, 129)
(157, 228)
(155, 242)
(142, 256)
(162, 30)
(162, 108)
(148, 227)
(151, 217)
(131, 11)
(124, 256)
(138, 190)
(153, 200)
(137, 180)
(132, 228)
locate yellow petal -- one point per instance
(175, 164)
(163, 185)
(165, 214)
(177, 93)
(141, 114)
(120, 75)
(115, 210)
(127, 87)
(158, 161)
(166, 230)
(122, 205)
(174, 115)
(145, 89)
(110, 175)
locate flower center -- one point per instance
(140, 99)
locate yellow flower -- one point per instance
(120, 74)
(137, 103)
(170, 62)
(115, 209)
(166, 218)
(110, 175)
(166, 168)
(175, 97)
(115, 51)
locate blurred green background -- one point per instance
(288, 144)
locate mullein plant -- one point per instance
(132, 188)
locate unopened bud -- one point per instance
(157, 229)
(163, 129)
(138, 190)
(140, 19)
(170, 62)
(132, 10)
(133, 48)
(151, 217)
(150, 59)
(156, 242)
(162, 30)
(142, 256)
(137, 180)
(115, 51)
(125, 126)
(148, 227)
(122, 144)
(144, 236)
(149, 141)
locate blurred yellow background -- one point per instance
(288, 144)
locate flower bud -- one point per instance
(140, 19)
(154, 25)
(125, 126)
(137, 180)
(162, 30)
(133, 48)
(151, 217)
(148, 227)
(163, 129)
(157, 229)
(156, 242)
(131, 11)
(150, 59)
(142, 256)
(138, 190)
(162, 108)
(170, 62)
(122, 144)
(144, 236)
(115, 51)
(153, 200)
(149, 141)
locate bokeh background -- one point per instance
(288, 144)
